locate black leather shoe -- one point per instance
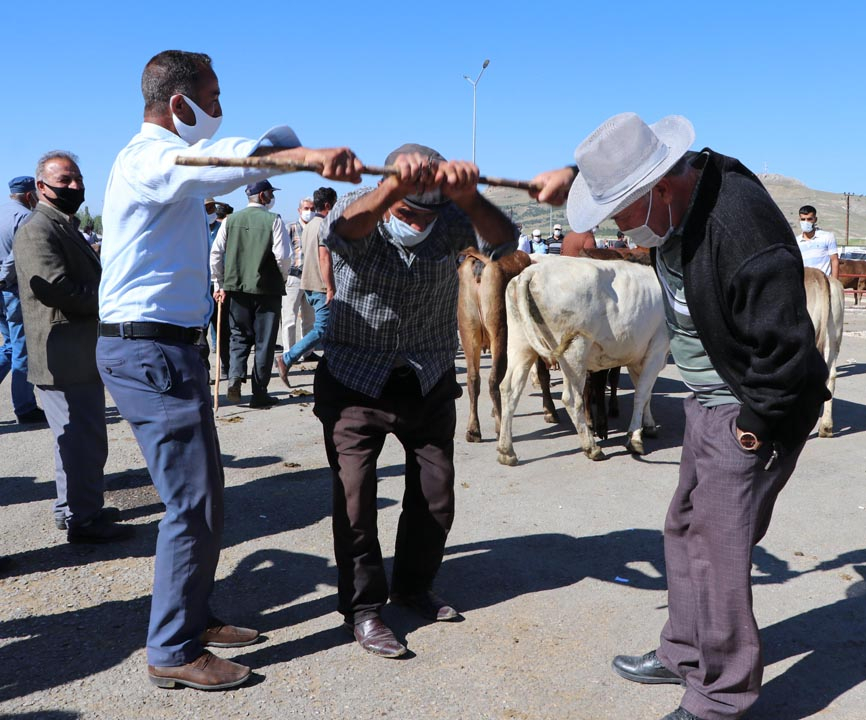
(680, 714)
(376, 637)
(99, 531)
(427, 605)
(36, 416)
(645, 669)
(107, 514)
(233, 392)
(263, 401)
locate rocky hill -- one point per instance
(790, 194)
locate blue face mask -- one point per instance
(405, 234)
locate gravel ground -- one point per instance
(556, 564)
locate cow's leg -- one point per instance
(573, 365)
(543, 373)
(593, 398)
(613, 383)
(644, 379)
(469, 329)
(835, 321)
(510, 390)
(497, 330)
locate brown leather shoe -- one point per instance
(427, 605)
(206, 672)
(228, 636)
(376, 637)
(283, 370)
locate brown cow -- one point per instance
(853, 267)
(481, 324)
(825, 302)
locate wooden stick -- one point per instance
(216, 378)
(263, 161)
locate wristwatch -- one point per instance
(748, 440)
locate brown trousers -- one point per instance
(721, 509)
(355, 427)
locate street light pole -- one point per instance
(474, 84)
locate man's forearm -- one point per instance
(326, 266)
(361, 217)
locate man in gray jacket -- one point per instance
(58, 279)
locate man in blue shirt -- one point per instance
(13, 352)
(154, 301)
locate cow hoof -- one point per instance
(596, 454)
(473, 436)
(825, 432)
(551, 418)
(635, 445)
(651, 431)
(509, 459)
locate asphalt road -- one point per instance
(556, 564)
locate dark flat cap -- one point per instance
(260, 186)
(433, 200)
(22, 184)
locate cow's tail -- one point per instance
(532, 322)
(476, 254)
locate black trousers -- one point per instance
(355, 427)
(253, 321)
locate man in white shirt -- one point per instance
(818, 247)
(154, 300)
(250, 261)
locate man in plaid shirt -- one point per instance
(389, 368)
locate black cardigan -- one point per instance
(743, 277)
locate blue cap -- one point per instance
(22, 184)
(260, 186)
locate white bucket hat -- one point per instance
(621, 161)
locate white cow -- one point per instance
(825, 300)
(586, 315)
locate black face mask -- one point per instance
(68, 199)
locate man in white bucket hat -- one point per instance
(735, 307)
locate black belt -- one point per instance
(151, 331)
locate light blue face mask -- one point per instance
(405, 234)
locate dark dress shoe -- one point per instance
(221, 635)
(98, 531)
(36, 416)
(312, 358)
(645, 669)
(680, 714)
(263, 401)
(106, 514)
(233, 391)
(376, 637)
(427, 605)
(206, 672)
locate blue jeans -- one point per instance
(13, 353)
(312, 339)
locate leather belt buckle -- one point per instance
(124, 330)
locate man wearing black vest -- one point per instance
(250, 261)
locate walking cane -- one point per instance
(216, 379)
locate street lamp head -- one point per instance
(486, 63)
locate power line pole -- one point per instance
(847, 215)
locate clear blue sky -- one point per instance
(776, 84)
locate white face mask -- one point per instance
(643, 236)
(307, 215)
(405, 234)
(211, 218)
(807, 226)
(205, 126)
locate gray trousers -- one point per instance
(720, 511)
(76, 416)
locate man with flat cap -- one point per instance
(250, 261)
(732, 278)
(389, 368)
(13, 352)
